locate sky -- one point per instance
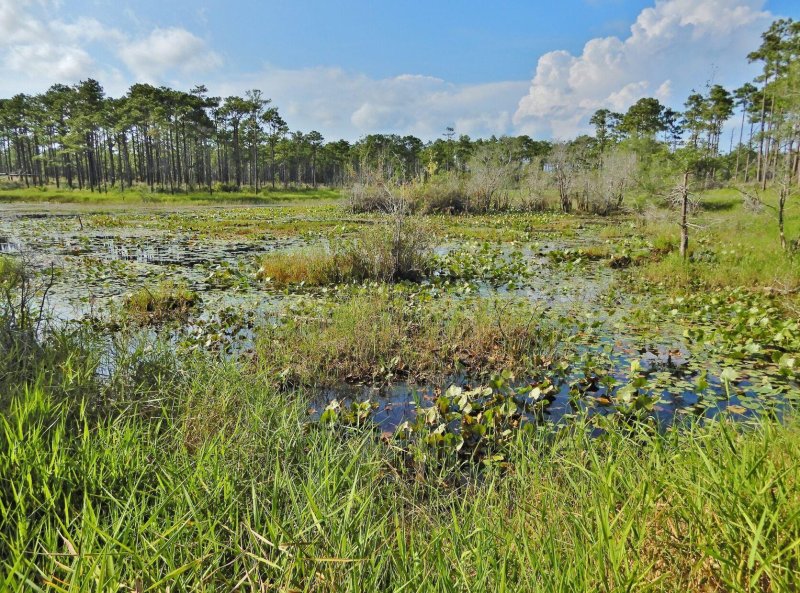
(351, 67)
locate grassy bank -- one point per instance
(206, 478)
(139, 195)
(729, 246)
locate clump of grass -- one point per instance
(399, 250)
(388, 252)
(169, 301)
(308, 267)
(380, 337)
(729, 247)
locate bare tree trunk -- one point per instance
(684, 216)
(781, 205)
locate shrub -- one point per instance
(535, 186)
(389, 252)
(492, 171)
(373, 197)
(443, 193)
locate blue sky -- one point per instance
(352, 67)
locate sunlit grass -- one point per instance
(144, 196)
(729, 246)
(210, 478)
(168, 301)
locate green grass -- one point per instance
(137, 467)
(388, 251)
(142, 195)
(205, 478)
(377, 337)
(729, 247)
(169, 301)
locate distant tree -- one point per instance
(256, 103)
(276, 131)
(449, 133)
(234, 110)
(563, 171)
(314, 140)
(744, 97)
(686, 161)
(491, 170)
(719, 108)
(694, 118)
(644, 118)
(673, 130)
(601, 120)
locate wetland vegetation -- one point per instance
(505, 364)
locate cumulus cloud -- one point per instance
(673, 46)
(345, 104)
(165, 51)
(38, 49)
(35, 53)
(59, 62)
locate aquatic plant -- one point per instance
(169, 301)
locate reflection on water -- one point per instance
(10, 245)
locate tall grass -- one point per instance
(729, 246)
(122, 468)
(393, 250)
(381, 336)
(225, 485)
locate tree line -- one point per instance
(172, 140)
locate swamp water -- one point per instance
(670, 372)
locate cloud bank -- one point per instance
(37, 51)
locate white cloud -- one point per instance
(17, 25)
(38, 49)
(672, 47)
(35, 53)
(344, 104)
(59, 62)
(165, 51)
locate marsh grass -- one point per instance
(392, 250)
(131, 467)
(169, 301)
(310, 266)
(379, 336)
(128, 466)
(140, 195)
(729, 247)
(226, 484)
